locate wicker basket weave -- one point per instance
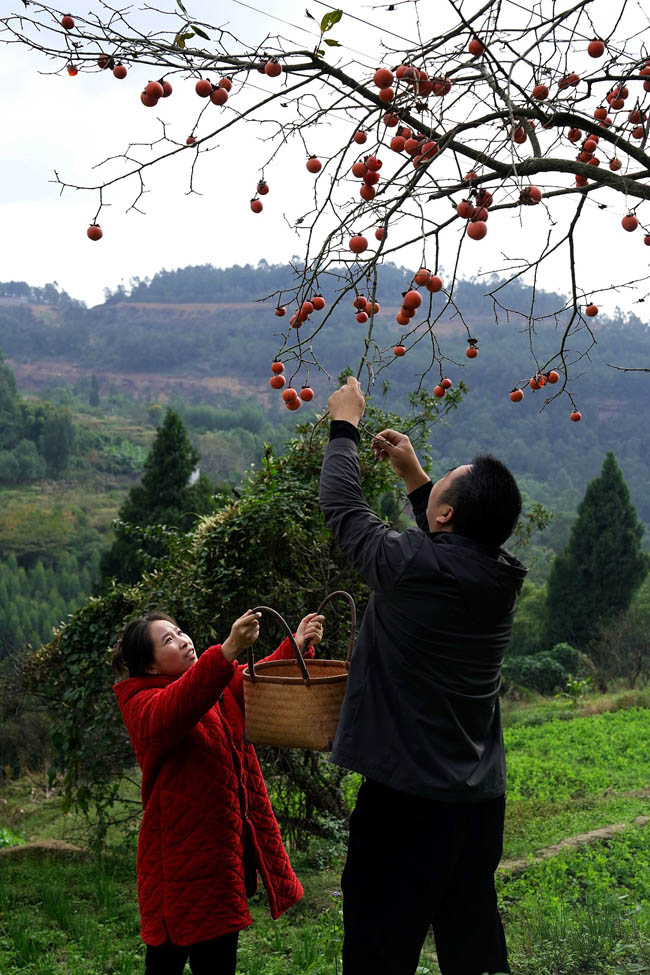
(296, 703)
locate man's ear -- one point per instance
(445, 516)
(152, 670)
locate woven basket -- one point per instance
(296, 703)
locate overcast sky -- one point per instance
(54, 122)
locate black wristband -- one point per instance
(341, 428)
(420, 496)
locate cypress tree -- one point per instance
(57, 438)
(167, 470)
(39, 580)
(164, 497)
(93, 395)
(10, 425)
(603, 564)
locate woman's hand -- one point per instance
(310, 630)
(243, 634)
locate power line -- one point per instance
(368, 23)
(289, 23)
(265, 13)
(560, 25)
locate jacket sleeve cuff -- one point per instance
(419, 500)
(341, 428)
(285, 651)
(420, 497)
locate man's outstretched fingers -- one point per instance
(347, 402)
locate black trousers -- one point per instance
(415, 862)
(215, 957)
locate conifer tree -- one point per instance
(93, 395)
(9, 410)
(164, 497)
(603, 564)
(56, 439)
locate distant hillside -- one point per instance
(199, 334)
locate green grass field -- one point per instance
(585, 911)
(569, 776)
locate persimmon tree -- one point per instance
(271, 542)
(497, 110)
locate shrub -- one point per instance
(540, 672)
(569, 658)
(8, 837)
(549, 671)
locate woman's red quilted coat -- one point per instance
(191, 750)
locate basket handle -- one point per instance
(353, 616)
(294, 646)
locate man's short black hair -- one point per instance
(486, 501)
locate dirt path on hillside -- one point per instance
(43, 848)
(43, 372)
(517, 865)
(514, 867)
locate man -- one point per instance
(420, 720)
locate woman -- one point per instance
(208, 827)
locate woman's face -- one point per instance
(173, 651)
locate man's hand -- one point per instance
(403, 458)
(348, 402)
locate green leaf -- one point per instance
(179, 40)
(331, 42)
(330, 19)
(201, 33)
(180, 4)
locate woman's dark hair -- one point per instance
(486, 501)
(134, 649)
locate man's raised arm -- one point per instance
(378, 552)
(398, 449)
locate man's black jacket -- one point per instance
(421, 710)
